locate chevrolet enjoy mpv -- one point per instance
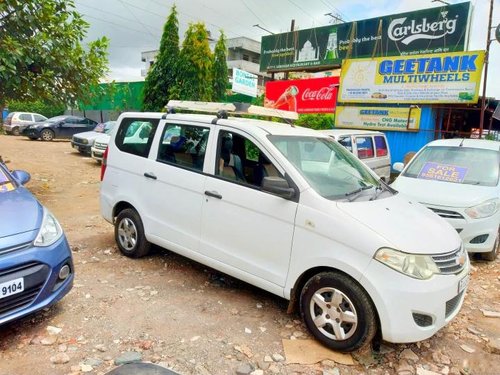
(288, 210)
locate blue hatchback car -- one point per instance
(36, 266)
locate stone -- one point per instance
(445, 360)
(195, 338)
(331, 371)
(422, 371)
(146, 344)
(494, 346)
(86, 368)
(263, 365)
(278, 357)
(101, 348)
(491, 314)
(93, 362)
(49, 340)
(53, 330)
(201, 370)
(62, 348)
(268, 359)
(409, 355)
(59, 359)
(467, 349)
(404, 368)
(298, 334)
(244, 349)
(445, 370)
(257, 372)
(128, 357)
(244, 369)
(248, 330)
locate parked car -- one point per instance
(83, 142)
(101, 142)
(62, 127)
(36, 267)
(458, 179)
(16, 122)
(369, 146)
(291, 211)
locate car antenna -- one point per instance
(462, 143)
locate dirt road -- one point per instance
(169, 310)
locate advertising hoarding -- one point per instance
(244, 83)
(315, 95)
(378, 118)
(435, 30)
(436, 78)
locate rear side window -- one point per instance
(365, 147)
(135, 136)
(346, 142)
(183, 145)
(25, 117)
(380, 145)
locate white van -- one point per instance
(369, 146)
(291, 211)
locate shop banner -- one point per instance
(435, 30)
(315, 95)
(436, 78)
(378, 118)
(244, 83)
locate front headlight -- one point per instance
(416, 266)
(50, 231)
(485, 209)
(85, 141)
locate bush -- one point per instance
(315, 121)
(46, 109)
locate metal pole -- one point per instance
(486, 58)
(292, 28)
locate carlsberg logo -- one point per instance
(407, 32)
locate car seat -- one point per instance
(231, 165)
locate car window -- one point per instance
(465, 165)
(183, 145)
(135, 136)
(365, 147)
(25, 117)
(240, 159)
(381, 146)
(346, 142)
(39, 118)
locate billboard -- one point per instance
(315, 95)
(244, 83)
(378, 118)
(435, 30)
(436, 78)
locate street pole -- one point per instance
(486, 58)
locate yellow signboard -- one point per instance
(378, 118)
(435, 78)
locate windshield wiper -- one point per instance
(355, 193)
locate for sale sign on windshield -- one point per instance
(315, 95)
(443, 172)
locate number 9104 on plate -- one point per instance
(11, 287)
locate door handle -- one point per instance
(213, 194)
(150, 175)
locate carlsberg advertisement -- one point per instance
(435, 30)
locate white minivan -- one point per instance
(288, 210)
(369, 146)
(459, 179)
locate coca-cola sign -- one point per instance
(315, 95)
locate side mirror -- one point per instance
(22, 176)
(398, 167)
(278, 186)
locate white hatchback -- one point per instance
(288, 210)
(458, 179)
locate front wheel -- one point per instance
(338, 312)
(47, 135)
(129, 234)
(16, 131)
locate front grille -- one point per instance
(451, 263)
(446, 214)
(452, 304)
(479, 239)
(100, 146)
(422, 320)
(34, 274)
(14, 248)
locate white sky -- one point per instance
(134, 26)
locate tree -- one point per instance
(41, 52)
(162, 75)
(220, 69)
(194, 80)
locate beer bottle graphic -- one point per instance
(331, 47)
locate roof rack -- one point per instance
(222, 109)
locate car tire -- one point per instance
(129, 234)
(47, 135)
(16, 131)
(338, 312)
(492, 255)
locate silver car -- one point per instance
(16, 122)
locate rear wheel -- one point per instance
(129, 234)
(47, 135)
(492, 255)
(338, 312)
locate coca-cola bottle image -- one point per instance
(287, 99)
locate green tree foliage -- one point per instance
(41, 52)
(37, 106)
(220, 69)
(194, 79)
(162, 75)
(316, 121)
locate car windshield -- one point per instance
(463, 165)
(56, 119)
(331, 170)
(6, 183)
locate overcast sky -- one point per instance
(134, 26)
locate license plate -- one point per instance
(11, 287)
(462, 284)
